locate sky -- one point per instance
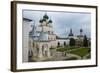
(63, 21)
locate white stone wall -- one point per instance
(46, 28)
(62, 41)
(53, 43)
(26, 27)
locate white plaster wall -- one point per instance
(62, 41)
(25, 39)
(53, 43)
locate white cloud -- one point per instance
(63, 21)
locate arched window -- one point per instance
(58, 44)
(44, 49)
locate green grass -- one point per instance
(66, 48)
(52, 48)
(61, 49)
(78, 51)
(81, 52)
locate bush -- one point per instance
(85, 41)
(52, 48)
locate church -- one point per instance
(40, 41)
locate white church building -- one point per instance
(40, 41)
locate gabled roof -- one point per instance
(27, 19)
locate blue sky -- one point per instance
(63, 21)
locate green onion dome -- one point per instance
(41, 21)
(46, 16)
(44, 19)
(50, 21)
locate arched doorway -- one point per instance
(45, 49)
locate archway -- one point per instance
(45, 49)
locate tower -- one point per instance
(81, 32)
(46, 26)
(71, 33)
(42, 39)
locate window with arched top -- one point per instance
(58, 44)
(45, 49)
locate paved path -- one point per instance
(85, 57)
(60, 55)
(74, 55)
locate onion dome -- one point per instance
(81, 30)
(45, 16)
(41, 21)
(44, 19)
(50, 21)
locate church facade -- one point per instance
(41, 41)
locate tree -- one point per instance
(85, 41)
(72, 42)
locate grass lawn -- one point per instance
(66, 48)
(81, 52)
(61, 49)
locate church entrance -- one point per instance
(45, 50)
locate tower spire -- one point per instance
(71, 33)
(45, 16)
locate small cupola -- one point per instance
(40, 20)
(50, 21)
(45, 16)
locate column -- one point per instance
(40, 52)
(48, 52)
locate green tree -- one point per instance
(85, 41)
(72, 42)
